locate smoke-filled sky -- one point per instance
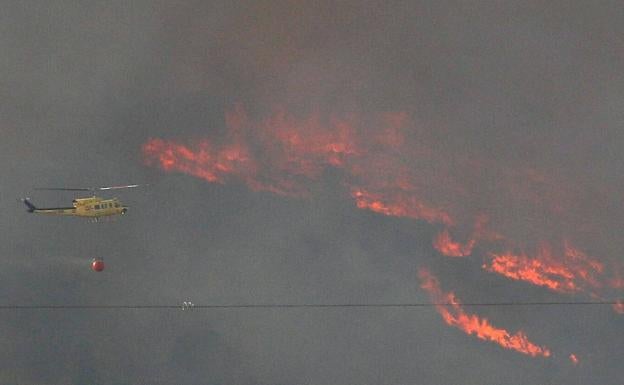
(307, 152)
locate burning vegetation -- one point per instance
(389, 169)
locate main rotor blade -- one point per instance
(87, 188)
(117, 187)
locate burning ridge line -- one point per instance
(283, 155)
(454, 315)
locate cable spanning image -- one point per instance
(187, 305)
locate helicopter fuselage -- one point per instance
(93, 207)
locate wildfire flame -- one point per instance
(292, 153)
(454, 315)
(565, 272)
(399, 206)
(389, 170)
(446, 246)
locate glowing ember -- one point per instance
(472, 324)
(574, 359)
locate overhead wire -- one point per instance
(190, 305)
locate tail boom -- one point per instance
(49, 210)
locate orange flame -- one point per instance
(392, 172)
(216, 164)
(567, 272)
(290, 153)
(450, 248)
(446, 246)
(284, 154)
(399, 206)
(455, 315)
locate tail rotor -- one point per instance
(31, 207)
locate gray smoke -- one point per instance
(518, 84)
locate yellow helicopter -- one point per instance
(93, 207)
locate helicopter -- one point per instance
(92, 207)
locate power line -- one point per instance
(189, 305)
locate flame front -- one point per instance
(399, 205)
(391, 171)
(472, 324)
(388, 166)
(566, 272)
(293, 153)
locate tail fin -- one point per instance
(28, 203)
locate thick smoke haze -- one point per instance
(314, 152)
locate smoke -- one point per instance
(381, 167)
(334, 149)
